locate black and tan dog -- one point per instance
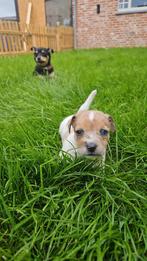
(42, 57)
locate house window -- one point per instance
(58, 12)
(139, 3)
(123, 4)
(8, 10)
(132, 5)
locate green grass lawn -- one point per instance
(53, 210)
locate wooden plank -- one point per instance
(4, 44)
(8, 42)
(1, 44)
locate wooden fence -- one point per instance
(18, 38)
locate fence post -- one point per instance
(58, 44)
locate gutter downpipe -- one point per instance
(75, 24)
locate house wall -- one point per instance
(37, 14)
(107, 29)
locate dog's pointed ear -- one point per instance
(33, 48)
(50, 50)
(112, 124)
(72, 123)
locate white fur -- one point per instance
(87, 103)
(91, 115)
(68, 140)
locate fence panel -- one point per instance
(11, 40)
(19, 38)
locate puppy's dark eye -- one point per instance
(103, 132)
(79, 132)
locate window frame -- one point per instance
(10, 18)
(130, 9)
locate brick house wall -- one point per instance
(108, 28)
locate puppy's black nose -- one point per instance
(91, 146)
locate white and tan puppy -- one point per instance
(87, 132)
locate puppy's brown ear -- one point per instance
(72, 123)
(33, 48)
(50, 50)
(112, 124)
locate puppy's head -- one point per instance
(42, 56)
(92, 131)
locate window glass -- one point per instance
(58, 12)
(8, 9)
(123, 4)
(139, 3)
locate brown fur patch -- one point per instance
(100, 120)
(91, 127)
